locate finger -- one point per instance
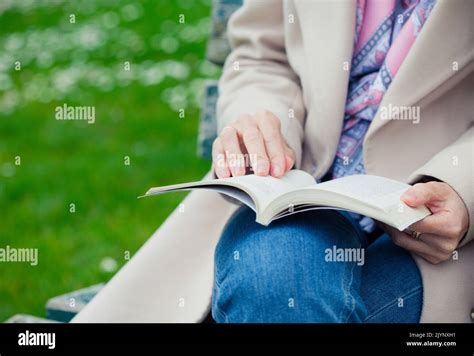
(434, 260)
(270, 127)
(440, 243)
(255, 146)
(231, 145)
(420, 194)
(443, 245)
(408, 243)
(442, 224)
(429, 258)
(432, 224)
(219, 159)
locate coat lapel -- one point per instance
(327, 31)
(446, 41)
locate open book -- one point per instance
(273, 198)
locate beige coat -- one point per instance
(296, 70)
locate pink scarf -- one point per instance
(385, 32)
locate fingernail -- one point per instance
(410, 196)
(262, 168)
(224, 173)
(220, 172)
(276, 170)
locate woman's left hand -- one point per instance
(442, 231)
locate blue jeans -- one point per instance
(315, 266)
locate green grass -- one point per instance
(64, 162)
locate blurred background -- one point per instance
(46, 165)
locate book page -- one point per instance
(373, 190)
(254, 191)
(266, 189)
(235, 193)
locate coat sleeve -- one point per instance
(455, 166)
(257, 75)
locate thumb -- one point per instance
(419, 194)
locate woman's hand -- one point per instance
(252, 142)
(442, 231)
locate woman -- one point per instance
(315, 85)
(288, 95)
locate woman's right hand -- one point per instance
(252, 143)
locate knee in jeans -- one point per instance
(264, 265)
(270, 268)
(253, 276)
